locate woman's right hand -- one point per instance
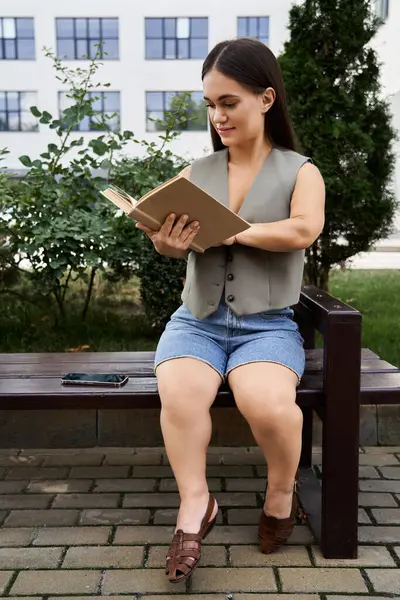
(172, 239)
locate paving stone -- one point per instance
(276, 597)
(104, 557)
(30, 558)
(115, 516)
(61, 486)
(150, 471)
(12, 487)
(376, 499)
(363, 518)
(368, 472)
(397, 550)
(11, 501)
(379, 485)
(379, 534)
(211, 556)
(385, 580)
(72, 536)
(236, 499)
(5, 578)
(244, 556)
(16, 537)
(134, 459)
(336, 597)
(381, 449)
(245, 485)
(37, 473)
(72, 460)
(183, 597)
(144, 535)
(391, 472)
(242, 459)
(322, 580)
(153, 500)
(168, 516)
(387, 516)
(378, 460)
(52, 451)
(37, 518)
(368, 556)
(244, 579)
(230, 471)
(243, 516)
(26, 460)
(86, 501)
(99, 472)
(3, 472)
(56, 582)
(169, 485)
(247, 534)
(3, 514)
(124, 485)
(139, 581)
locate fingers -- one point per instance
(144, 228)
(189, 233)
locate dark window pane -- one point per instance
(81, 28)
(10, 49)
(253, 27)
(81, 48)
(170, 28)
(242, 27)
(154, 28)
(263, 27)
(97, 103)
(25, 28)
(197, 98)
(264, 40)
(66, 48)
(169, 49)
(95, 48)
(198, 48)
(26, 48)
(3, 121)
(65, 28)
(111, 101)
(28, 122)
(1, 50)
(169, 100)
(13, 101)
(154, 48)
(154, 101)
(84, 125)
(2, 101)
(109, 28)
(199, 28)
(151, 126)
(13, 121)
(183, 48)
(94, 28)
(28, 99)
(114, 123)
(111, 47)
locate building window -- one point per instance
(105, 104)
(254, 27)
(17, 39)
(179, 38)
(382, 8)
(159, 103)
(15, 113)
(78, 38)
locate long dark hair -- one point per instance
(252, 64)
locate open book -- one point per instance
(181, 196)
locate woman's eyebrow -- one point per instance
(223, 97)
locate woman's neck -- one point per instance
(250, 155)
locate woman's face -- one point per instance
(236, 113)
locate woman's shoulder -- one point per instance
(202, 161)
(291, 156)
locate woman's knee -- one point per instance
(271, 409)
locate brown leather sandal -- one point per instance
(185, 550)
(274, 532)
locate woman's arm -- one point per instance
(306, 219)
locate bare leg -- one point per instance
(265, 394)
(187, 390)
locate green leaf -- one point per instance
(35, 111)
(45, 155)
(26, 161)
(52, 148)
(99, 147)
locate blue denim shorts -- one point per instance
(225, 341)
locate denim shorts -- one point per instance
(225, 341)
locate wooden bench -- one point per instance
(337, 377)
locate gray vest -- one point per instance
(252, 280)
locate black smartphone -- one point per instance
(103, 379)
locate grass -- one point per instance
(115, 320)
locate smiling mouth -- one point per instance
(225, 129)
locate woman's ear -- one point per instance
(267, 99)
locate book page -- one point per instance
(168, 182)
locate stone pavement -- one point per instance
(89, 523)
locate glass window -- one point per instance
(181, 37)
(254, 27)
(382, 8)
(104, 103)
(77, 38)
(15, 114)
(159, 103)
(17, 38)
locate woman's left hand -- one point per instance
(227, 242)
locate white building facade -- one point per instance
(154, 48)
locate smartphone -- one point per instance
(103, 379)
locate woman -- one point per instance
(235, 321)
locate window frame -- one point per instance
(101, 94)
(20, 111)
(16, 38)
(88, 39)
(165, 109)
(165, 39)
(258, 37)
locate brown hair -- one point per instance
(252, 64)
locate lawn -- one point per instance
(115, 320)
